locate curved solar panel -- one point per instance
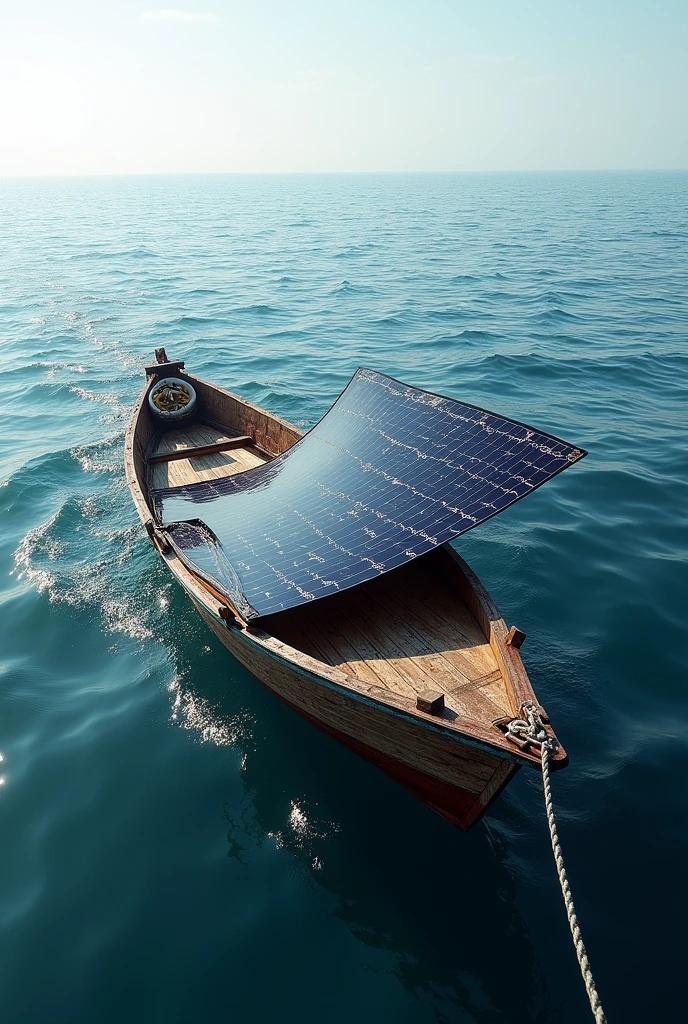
(389, 473)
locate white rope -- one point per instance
(595, 1004)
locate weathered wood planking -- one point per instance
(269, 432)
(389, 630)
(196, 433)
(204, 467)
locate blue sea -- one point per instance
(177, 846)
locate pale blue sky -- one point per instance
(309, 85)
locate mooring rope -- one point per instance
(595, 1004)
(529, 731)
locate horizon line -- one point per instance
(246, 174)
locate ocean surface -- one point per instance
(177, 846)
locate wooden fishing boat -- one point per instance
(410, 664)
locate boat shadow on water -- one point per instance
(437, 906)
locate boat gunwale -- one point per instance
(473, 732)
(334, 678)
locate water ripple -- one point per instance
(172, 828)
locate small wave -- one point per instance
(140, 252)
(37, 369)
(36, 543)
(556, 315)
(267, 393)
(445, 314)
(555, 298)
(97, 321)
(118, 411)
(71, 367)
(192, 321)
(665, 233)
(346, 288)
(388, 321)
(355, 250)
(57, 559)
(282, 336)
(260, 309)
(467, 335)
(93, 459)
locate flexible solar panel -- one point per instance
(389, 473)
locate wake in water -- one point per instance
(82, 555)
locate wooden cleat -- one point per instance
(431, 702)
(515, 637)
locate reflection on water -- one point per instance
(439, 903)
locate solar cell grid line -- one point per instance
(387, 474)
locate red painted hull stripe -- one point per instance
(455, 804)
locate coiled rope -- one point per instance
(530, 731)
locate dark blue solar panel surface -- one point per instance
(389, 473)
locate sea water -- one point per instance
(177, 846)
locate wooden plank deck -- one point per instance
(407, 634)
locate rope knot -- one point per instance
(529, 730)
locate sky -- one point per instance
(128, 87)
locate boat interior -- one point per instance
(223, 460)
(408, 632)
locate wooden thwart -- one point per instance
(203, 449)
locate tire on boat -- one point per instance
(172, 417)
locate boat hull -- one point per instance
(456, 778)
